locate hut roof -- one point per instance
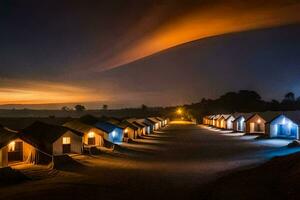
(143, 122)
(293, 115)
(147, 123)
(226, 116)
(136, 123)
(152, 122)
(245, 115)
(216, 117)
(119, 123)
(126, 124)
(6, 136)
(267, 116)
(159, 118)
(152, 119)
(41, 135)
(106, 126)
(78, 126)
(89, 119)
(112, 120)
(210, 116)
(19, 123)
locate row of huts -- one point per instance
(40, 142)
(272, 124)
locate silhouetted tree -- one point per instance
(144, 107)
(272, 105)
(241, 101)
(275, 102)
(289, 98)
(104, 107)
(244, 100)
(65, 108)
(289, 102)
(79, 108)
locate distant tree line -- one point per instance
(243, 101)
(78, 108)
(81, 108)
(230, 102)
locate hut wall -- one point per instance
(221, 123)
(116, 136)
(235, 125)
(282, 127)
(229, 123)
(156, 126)
(239, 125)
(76, 144)
(218, 124)
(3, 157)
(129, 133)
(98, 137)
(28, 152)
(251, 123)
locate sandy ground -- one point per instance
(173, 163)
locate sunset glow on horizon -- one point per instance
(39, 92)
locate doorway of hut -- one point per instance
(15, 152)
(66, 146)
(287, 132)
(256, 128)
(240, 126)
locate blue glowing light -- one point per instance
(283, 127)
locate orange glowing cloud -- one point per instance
(207, 22)
(32, 92)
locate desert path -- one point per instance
(172, 163)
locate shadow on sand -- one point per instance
(67, 163)
(9, 176)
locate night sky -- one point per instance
(159, 52)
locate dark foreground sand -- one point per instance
(176, 163)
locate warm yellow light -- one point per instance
(66, 140)
(258, 121)
(40, 92)
(126, 130)
(12, 146)
(91, 134)
(179, 111)
(181, 122)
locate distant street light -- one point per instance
(179, 111)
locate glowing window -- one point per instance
(91, 134)
(66, 140)
(12, 146)
(114, 133)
